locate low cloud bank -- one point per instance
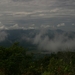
(60, 42)
(3, 35)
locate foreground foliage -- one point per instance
(14, 60)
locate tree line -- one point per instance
(14, 60)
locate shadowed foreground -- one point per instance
(15, 61)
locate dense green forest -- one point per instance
(15, 60)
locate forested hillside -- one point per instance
(15, 60)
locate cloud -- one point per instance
(3, 35)
(31, 27)
(60, 25)
(21, 0)
(2, 26)
(54, 10)
(28, 10)
(59, 42)
(47, 26)
(73, 24)
(16, 26)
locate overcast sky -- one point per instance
(23, 14)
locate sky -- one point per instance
(36, 14)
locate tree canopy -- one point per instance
(14, 60)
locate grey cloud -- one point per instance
(55, 44)
(3, 35)
(21, 0)
(62, 24)
(65, 3)
(24, 12)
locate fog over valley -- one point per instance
(48, 40)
